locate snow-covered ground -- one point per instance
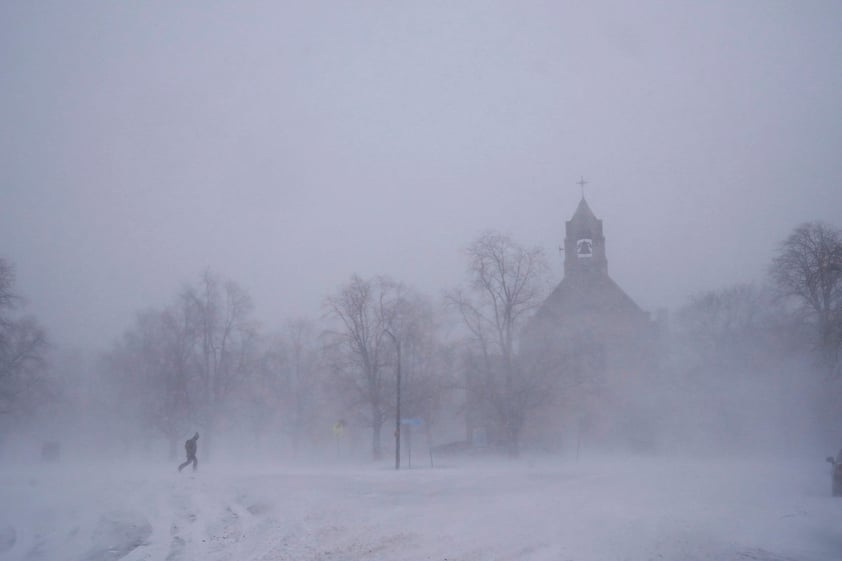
(630, 509)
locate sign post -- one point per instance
(413, 422)
(338, 431)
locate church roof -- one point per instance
(588, 294)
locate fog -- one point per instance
(253, 220)
(290, 145)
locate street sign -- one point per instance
(415, 422)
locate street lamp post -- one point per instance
(397, 402)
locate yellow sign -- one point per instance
(338, 428)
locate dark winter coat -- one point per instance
(190, 446)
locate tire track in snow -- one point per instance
(185, 537)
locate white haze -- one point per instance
(288, 145)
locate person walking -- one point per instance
(190, 447)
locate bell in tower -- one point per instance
(584, 244)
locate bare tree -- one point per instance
(8, 298)
(361, 347)
(226, 335)
(152, 367)
(22, 363)
(729, 347)
(420, 353)
(23, 348)
(285, 389)
(727, 325)
(176, 369)
(808, 268)
(506, 283)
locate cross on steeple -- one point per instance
(581, 183)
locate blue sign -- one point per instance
(412, 422)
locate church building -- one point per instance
(601, 341)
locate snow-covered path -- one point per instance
(543, 510)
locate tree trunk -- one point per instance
(376, 449)
(513, 428)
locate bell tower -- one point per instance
(584, 243)
(589, 325)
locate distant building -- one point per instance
(601, 342)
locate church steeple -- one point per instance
(584, 243)
(583, 211)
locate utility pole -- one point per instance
(397, 401)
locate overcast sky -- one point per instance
(288, 145)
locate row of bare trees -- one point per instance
(179, 367)
(380, 322)
(723, 341)
(781, 341)
(202, 361)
